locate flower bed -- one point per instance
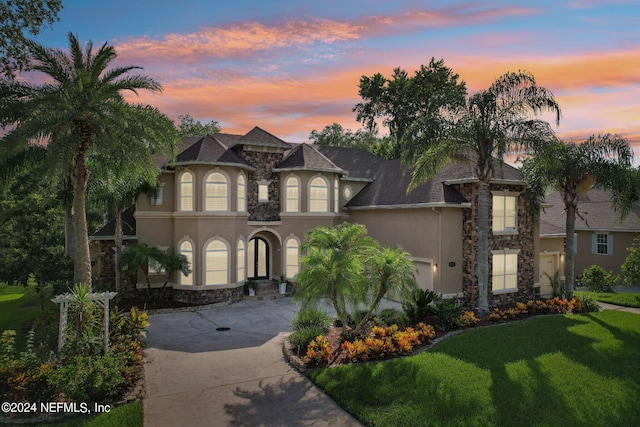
(385, 342)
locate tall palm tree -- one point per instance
(334, 265)
(77, 111)
(573, 169)
(493, 122)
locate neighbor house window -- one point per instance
(318, 195)
(242, 256)
(186, 249)
(242, 194)
(216, 190)
(602, 244)
(505, 271)
(292, 258)
(505, 213)
(216, 258)
(186, 192)
(292, 194)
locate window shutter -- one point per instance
(594, 243)
(609, 244)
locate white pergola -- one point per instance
(101, 298)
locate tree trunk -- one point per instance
(118, 244)
(82, 260)
(69, 232)
(483, 247)
(569, 247)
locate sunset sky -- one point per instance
(292, 66)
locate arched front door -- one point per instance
(258, 259)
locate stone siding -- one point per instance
(264, 162)
(209, 296)
(524, 241)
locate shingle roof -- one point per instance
(596, 210)
(109, 230)
(306, 157)
(209, 150)
(258, 136)
(390, 189)
(358, 164)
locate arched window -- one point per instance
(216, 262)
(215, 193)
(336, 195)
(186, 192)
(186, 249)
(241, 259)
(242, 193)
(292, 258)
(292, 194)
(318, 195)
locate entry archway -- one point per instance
(258, 257)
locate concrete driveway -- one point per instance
(198, 375)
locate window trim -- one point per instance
(242, 177)
(504, 253)
(286, 256)
(181, 196)
(191, 260)
(326, 198)
(505, 194)
(286, 193)
(204, 261)
(206, 187)
(595, 244)
(244, 260)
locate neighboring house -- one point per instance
(238, 207)
(601, 238)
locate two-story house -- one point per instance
(238, 207)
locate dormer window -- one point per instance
(318, 195)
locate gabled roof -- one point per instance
(209, 150)
(358, 164)
(306, 157)
(389, 189)
(596, 209)
(109, 230)
(260, 137)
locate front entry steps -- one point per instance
(268, 290)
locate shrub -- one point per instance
(631, 265)
(301, 338)
(448, 313)
(469, 319)
(589, 304)
(391, 316)
(417, 308)
(308, 317)
(596, 279)
(319, 351)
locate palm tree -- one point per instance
(573, 169)
(389, 272)
(334, 265)
(137, 257)
(77, 111)
(493, 121)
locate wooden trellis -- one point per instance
(101, 298)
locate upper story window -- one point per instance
(292, 194)
(336, 195)
(186, 191)
(242, 193)
(216, 192)
(602, 243)
(318, 195)
(505, 212)
(347, 192)
(158, 198)
(263, 192)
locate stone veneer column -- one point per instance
(264, 162)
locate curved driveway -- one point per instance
(198, 375)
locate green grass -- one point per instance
(556, 370)
(625, 299)
(18, 306)
(129, 415)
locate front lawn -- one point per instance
(624, 299)
(19, 306)
(569, 370)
